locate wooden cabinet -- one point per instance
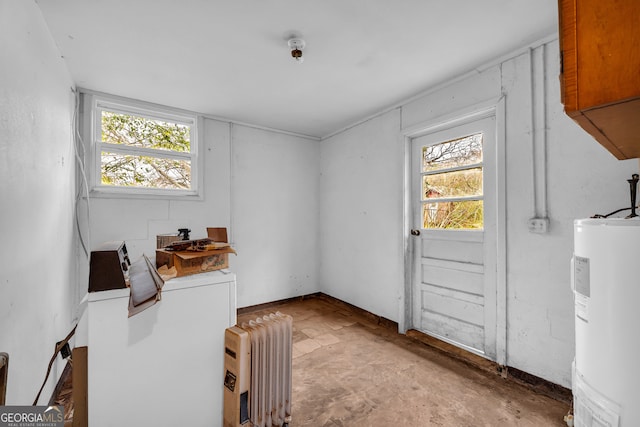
(600, 73)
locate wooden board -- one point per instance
(79, 378)
(4, 374)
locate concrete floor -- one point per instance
(348, 370)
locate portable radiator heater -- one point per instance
(257, 384)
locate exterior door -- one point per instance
(454, 234)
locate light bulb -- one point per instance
(296, 46)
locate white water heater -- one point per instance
(606, 284)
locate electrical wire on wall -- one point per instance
(82, 211)
(81, 193)
(59, 347)
(83, 187)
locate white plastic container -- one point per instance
(606, 283)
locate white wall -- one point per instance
(361, 194)
(361, 209)
(37, 257)
(275, 214)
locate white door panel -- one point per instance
(454, 306)
(459, 278)
(452, 293)
(462, 251)
(450, 329)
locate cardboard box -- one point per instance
(218, 234)
(193, 262)
(237, 378)
(164, 240)
(79, 376)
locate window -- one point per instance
(141, 150)
(452, 195)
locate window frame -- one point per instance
(94, 104)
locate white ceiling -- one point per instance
(230, 58)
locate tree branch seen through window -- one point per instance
(141, 152)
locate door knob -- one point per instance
(415, 232)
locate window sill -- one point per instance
(117, 193)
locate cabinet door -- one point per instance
(600, 43)
(600, 73)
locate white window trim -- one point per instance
(94, 103)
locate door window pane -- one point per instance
(452, 154)
(460, 183)
(467, 214)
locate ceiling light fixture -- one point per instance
(296, 46)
